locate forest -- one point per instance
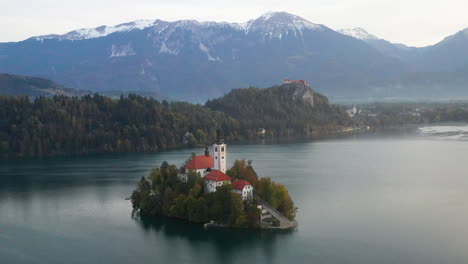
(289, 109)
(62, 126)
(162, 194)
(95, 124)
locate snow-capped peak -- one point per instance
(267, 15)
(89, 33)
(284, 19)
(278, 24)
(357, 33)
(270, 24)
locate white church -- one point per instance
(213, 170)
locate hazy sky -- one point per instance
(412, 22)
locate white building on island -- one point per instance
(200, 164)
(244, 188)
(213, 170)
(215, 179)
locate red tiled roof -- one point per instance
(200, 162)
(240, 184)
(216, 175)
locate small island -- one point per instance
(204, 191)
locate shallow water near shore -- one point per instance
(393, 198)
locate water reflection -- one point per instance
(372, 199)
(225, 242)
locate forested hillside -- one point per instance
(62, 125)
(11, 84)
(289, 109)
(98, 124)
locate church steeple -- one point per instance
(220, 152)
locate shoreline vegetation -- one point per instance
(72, 126)
(96, 124)
(162, 194)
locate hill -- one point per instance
(64, 126)
(32, 86)
(285, 109)
(16, 85)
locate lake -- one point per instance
(381, 198)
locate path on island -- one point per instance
(285, 223)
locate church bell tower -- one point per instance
(220, 152)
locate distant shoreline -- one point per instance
(255, 141)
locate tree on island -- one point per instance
(277, 195)
(242, 170)
(165, 195)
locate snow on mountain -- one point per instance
(357, 33)
(285, 20)
(122, 50)
(207, 52)
(386, 48)
(198, 60)
(279, 24)
(165, 49)
(89, 33)
(271, 24)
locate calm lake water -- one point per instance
(366, 199)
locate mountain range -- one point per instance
(191, 60)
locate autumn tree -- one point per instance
(243, 170)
